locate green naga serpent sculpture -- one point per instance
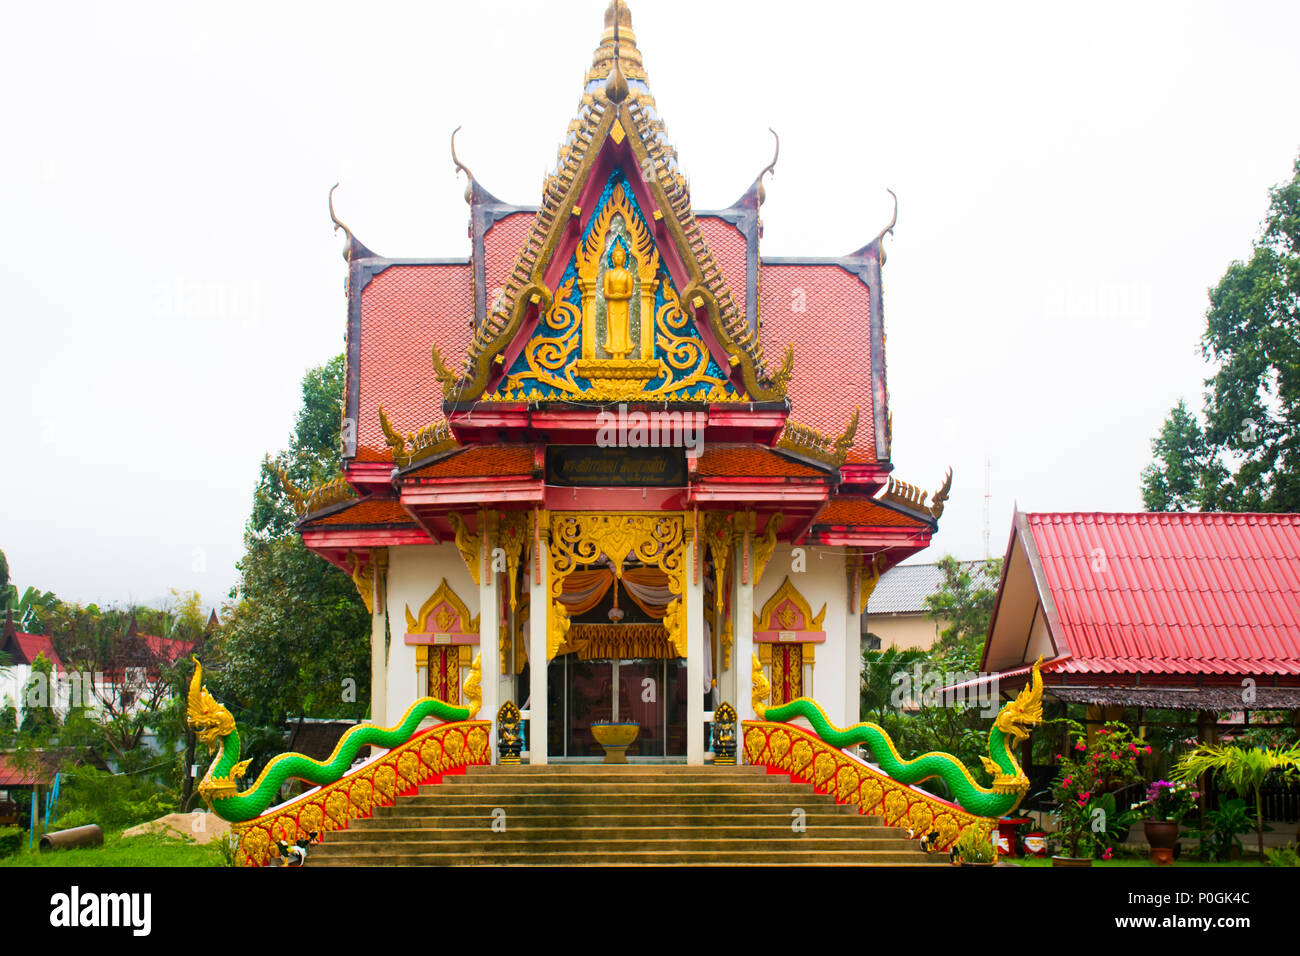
(215, 728)
(1010, 728)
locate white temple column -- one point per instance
(539, 601)
(489, 626)
(379, 638)
(853, 647)
(695, 651)
(742, 655)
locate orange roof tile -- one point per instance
(751, 461)
(372, 511)
(480, 461)
(858, 510)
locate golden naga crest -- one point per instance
(1026, 711)
(473, 687)
(208, 719)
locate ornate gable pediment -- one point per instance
(574, 324)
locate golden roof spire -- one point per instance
(629, 57)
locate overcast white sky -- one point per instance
(1071, 182)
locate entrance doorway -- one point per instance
(651, 693)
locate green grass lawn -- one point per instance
(1135, 861)
(150, 850)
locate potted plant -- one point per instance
(975, 848)
(1163, 810)
(1221, 836)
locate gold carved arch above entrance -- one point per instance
(656, 539)
(443, 613)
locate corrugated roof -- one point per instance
(903, 590)
(1173, 593)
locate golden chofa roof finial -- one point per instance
(629, 57)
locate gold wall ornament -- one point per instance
(448, 612)
(328, 493)
(786, 608)
(765, 544)
(625, 641)
(512, 535)
(363, 578)
(469, 545)
(720, 536)
(655, 539)
(617, 282)
(870, 569)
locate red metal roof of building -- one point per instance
(24, 648)
(11, 775)
(1173, 593)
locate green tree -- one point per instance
(296, 640)
(965, 600)
(30, 610)
(1243, 453)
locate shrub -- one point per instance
(114, 801)
(11, 840)
(1288, 855)
(975, 846)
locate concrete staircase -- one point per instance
(599, 815)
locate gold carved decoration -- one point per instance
(787, 607)
(557, 361)
(418, 445)
(469, 545)
(813, 444)
(376, 783)
(330, 493)
(295, 495)
(655, 539)
(449, 613)
(473, 687)
(808, 758)
(913, 498)
(765, 544)
(512, 535)
(719, 534)
(870, 570)
(618, 641)
(363, 579)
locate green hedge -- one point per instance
(11, 840)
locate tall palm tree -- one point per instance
(1244, 769)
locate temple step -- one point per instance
(596, 814)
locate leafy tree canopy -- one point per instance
(296, 640)
(1243, 452)
(965, 601)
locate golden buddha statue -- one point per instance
(617, 288)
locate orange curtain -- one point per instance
(583, 590)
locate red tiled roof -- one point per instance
(727, 243)
(748, 461)
(11, 775)
(1174, 593)
(860, 510)
(502, 244)
(372, 511)
(480, 461)
(25, 648)
(826, 313)
(169, 648)
(405, 310)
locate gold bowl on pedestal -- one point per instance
(615, 738)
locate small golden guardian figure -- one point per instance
(618, 293)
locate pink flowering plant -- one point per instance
(1085, 784)
(1168, 801)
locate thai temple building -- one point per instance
(615, 454)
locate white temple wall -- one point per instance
(414, 573)
(821, 581)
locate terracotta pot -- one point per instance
(1162, 837)
(1071, 861)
